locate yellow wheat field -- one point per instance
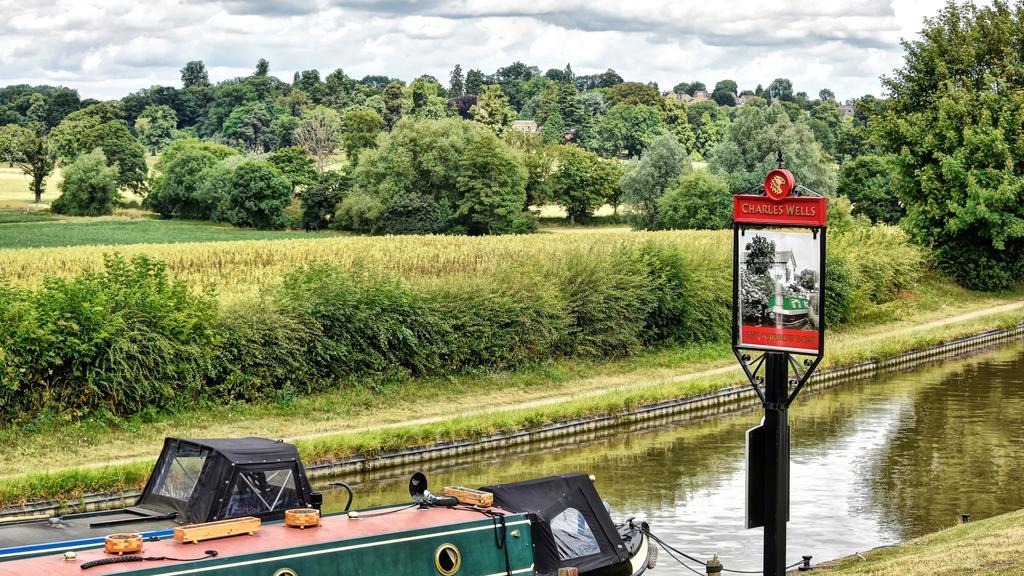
(244, 267)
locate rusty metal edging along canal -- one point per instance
(722, 401)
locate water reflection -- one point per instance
(873, 463)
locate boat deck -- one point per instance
(271, 537)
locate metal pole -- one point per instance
(776, 463)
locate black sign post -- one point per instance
(778, 316)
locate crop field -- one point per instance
(27, 230)
(242, 267)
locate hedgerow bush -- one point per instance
(119, 341)
(129, 339)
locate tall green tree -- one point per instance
(553, 130)
(867, 182)
(30, 150)
(492, 109)
(194, 75)
(648, 178)
(708, 135)
(634, 94)
(248, 127)
(474, 81)
(294, 164)
(456, 84)
(780, 88)
(952, 127)
(102, 126)
(582, 181)
(156, 126)
(178, 182)
(748, 151)
(359, 130)
(492, 186)
(258, 196)
(393, 103)
(626, 130)
(725, 92)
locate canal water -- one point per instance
(873, 463)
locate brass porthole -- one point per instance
(447, 559)
(286, 572)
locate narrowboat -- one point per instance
(245, 507)
(793, 311)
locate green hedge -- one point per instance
(129, 339)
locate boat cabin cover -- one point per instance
(207, 480)
(572, 526)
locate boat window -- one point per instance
(262, 491)
(180, 473)
(573, 535)
(448, 559)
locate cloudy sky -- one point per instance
(108, 48)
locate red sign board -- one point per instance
(790, 211)
(778, 206)
(780, 290)
(779, 269)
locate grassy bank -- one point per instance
(47, 231)
(994, 546)
(395, 415)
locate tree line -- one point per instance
(939, 154)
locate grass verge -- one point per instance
(994, 546)
(391, 415)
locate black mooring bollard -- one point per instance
(965, 518)
(806, 565)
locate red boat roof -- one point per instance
(269, 537)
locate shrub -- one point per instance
(258, 196)
(838, 290)
(89, 187)
(261, 354)
(696, 200)
(360, 323)
(119, 340)
(608, 300)
(320, 201)
(411, 214)
(360, 211)
(515, 320)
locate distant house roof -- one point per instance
(785, 257)
(525, 126)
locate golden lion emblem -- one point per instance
(776, 185)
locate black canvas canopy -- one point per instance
(203, 480)
(572, 527)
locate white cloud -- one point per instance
(107, 48)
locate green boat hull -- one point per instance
(410, 553)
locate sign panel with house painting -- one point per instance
(779, 290)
